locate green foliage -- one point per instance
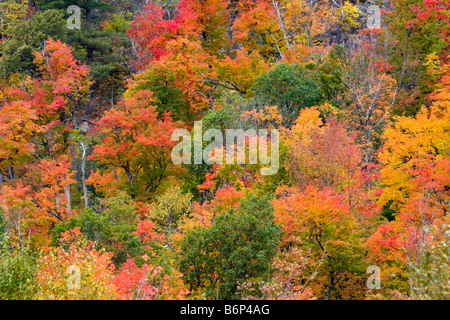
(117, 23)
(433, 275)
(113, 229)
(290, 87)
(240, 245)
(330, 73)
(30, 36)
(270, 183)
(2, 227)
(169, 208)
(412, 45)
(194, 176)
(167, 97)
(388, 212)
(18, 269)
(83, 4)
(98, 43)
(228, 116)
(11, 12)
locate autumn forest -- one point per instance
(347, 197)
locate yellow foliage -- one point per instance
(11, 12)
(308, 120)
(428, 133)
(350, 16)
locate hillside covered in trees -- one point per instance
(354, 97)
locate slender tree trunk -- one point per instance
(18, 226)
(69, 197)
(330, 288)
(411, 279)
(1, 27)
(57, 202)
(83, 175)
(73, 155)
(129, 175)
(11, 173)
(281, 23)
(368, 147)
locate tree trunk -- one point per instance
(83, 175)
(368, 153)
(128, 173)
(69, 197)
(11, 173)
(330, 288)
(1, 27)
(73, 155)
(411, 279)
